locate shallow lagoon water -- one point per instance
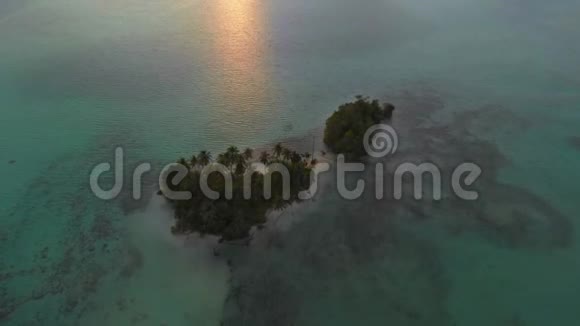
(163, 80)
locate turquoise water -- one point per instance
(491, 81)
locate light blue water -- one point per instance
(164, 79)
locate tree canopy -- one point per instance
(346, 127)
(232, 219)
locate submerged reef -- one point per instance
(574, 142)
(367, 258)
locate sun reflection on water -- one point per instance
(240, 54)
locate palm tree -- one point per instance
(278, 150)
(231, 156)
(223, 159)
(295, 157)
(248, 153)
(240, 163)
(203, 158)
(193, 161)
(233, 150)
(264, 157)
(287, 154)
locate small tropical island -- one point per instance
(233, 218)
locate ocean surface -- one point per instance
(492, 82)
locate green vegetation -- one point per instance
(232, 219)
(346, 127)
